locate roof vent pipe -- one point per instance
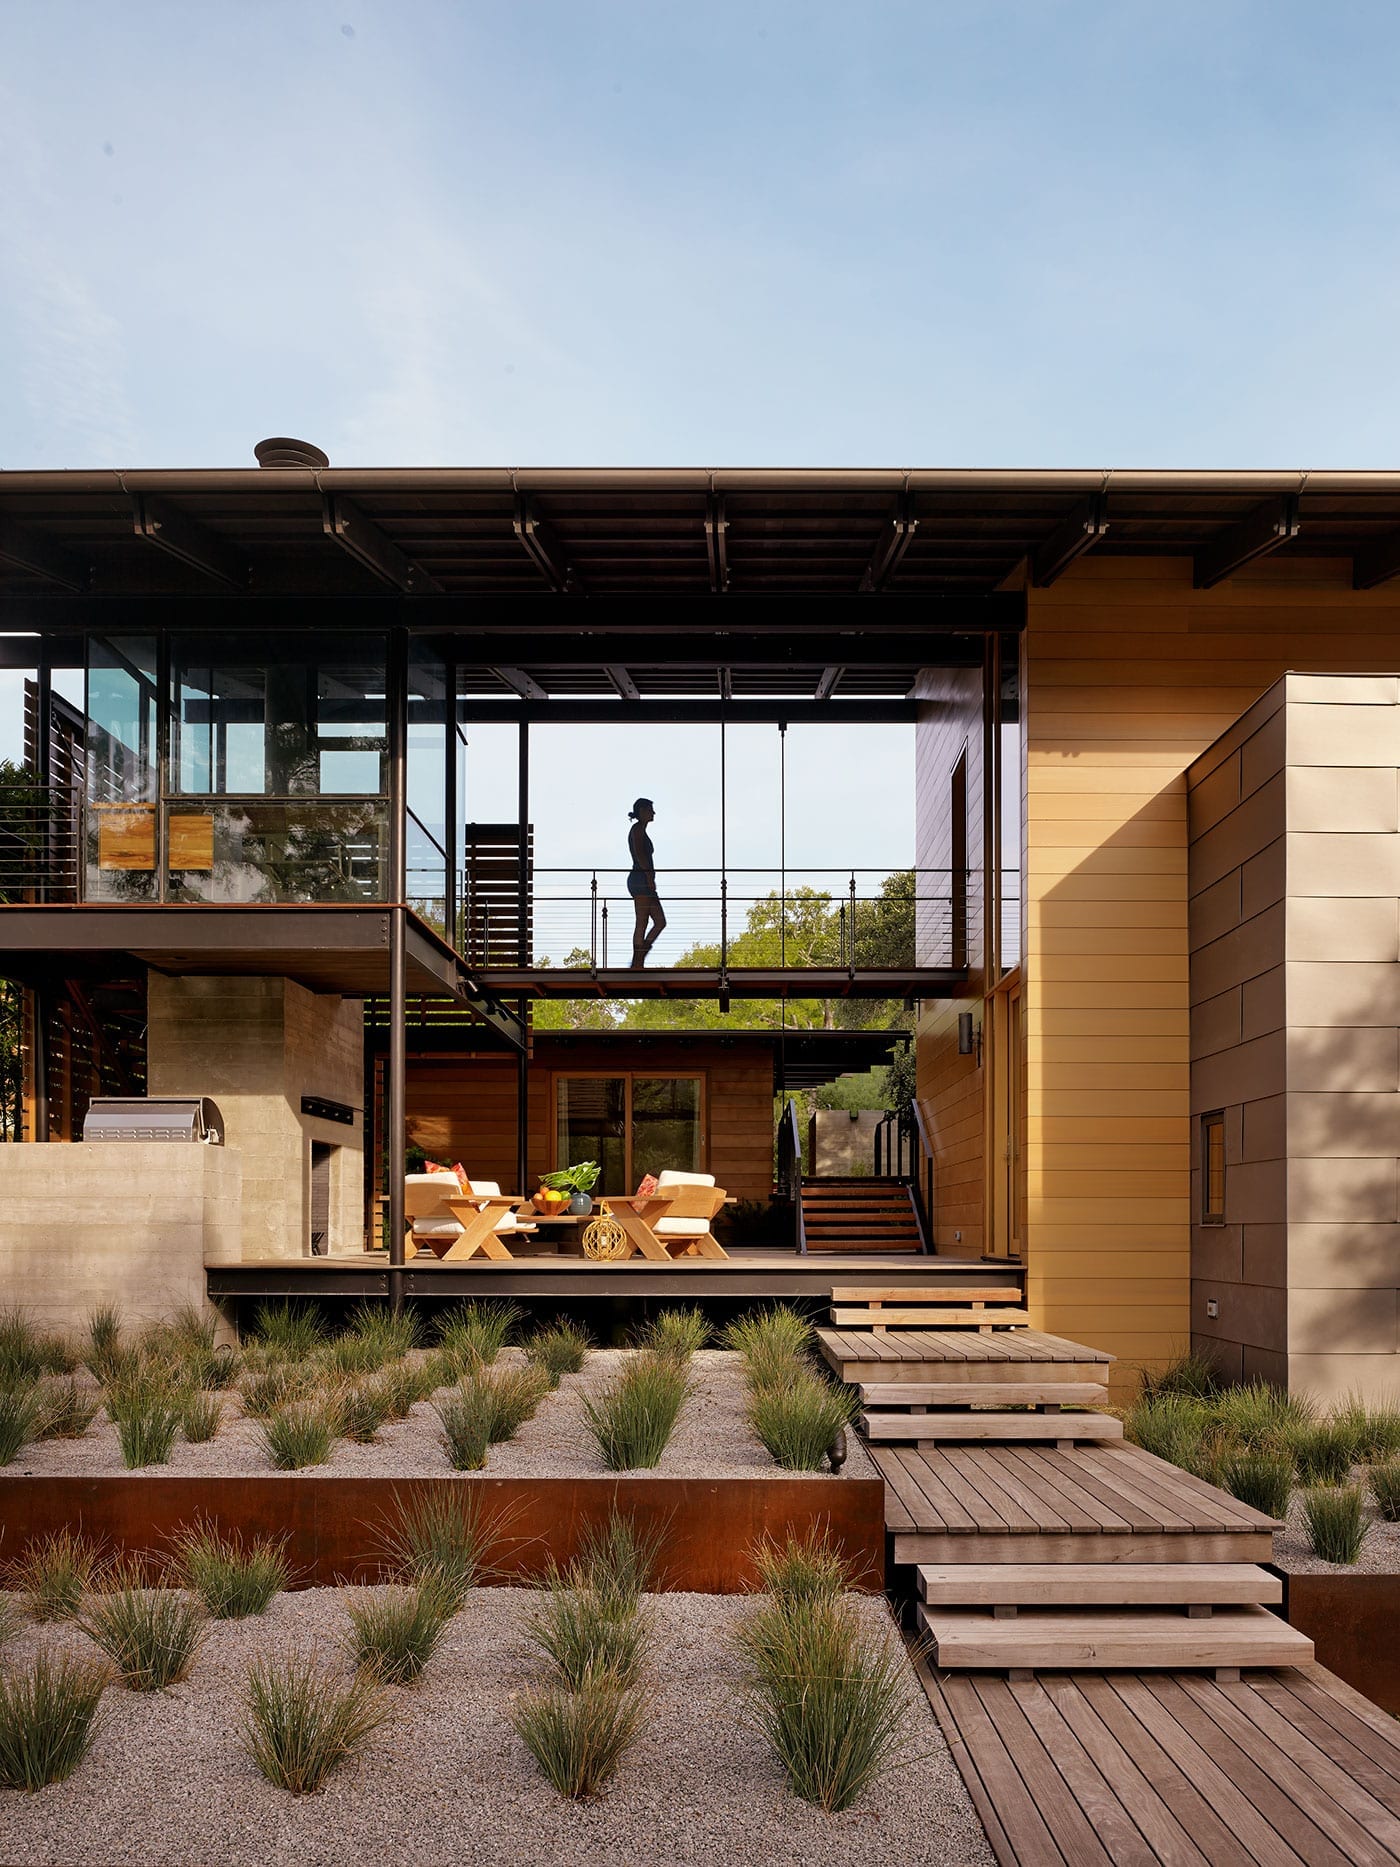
(282, 451)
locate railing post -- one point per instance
(852, 960)
(593, 924)
(723, 924)
(605, 933)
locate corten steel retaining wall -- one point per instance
(333, 1524)
(1353, 1622)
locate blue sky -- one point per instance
(997, 232)
(1010, 232)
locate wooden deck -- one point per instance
(1280, 1769)
(924, 1355)
(1032, 1503)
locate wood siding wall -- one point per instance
(463, 1108)
(1131, 674)
(950, 1087)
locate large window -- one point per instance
(631, 1125)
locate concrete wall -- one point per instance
(258, 1046)
(132, 1224)
(1295, 984)
(840, 1142)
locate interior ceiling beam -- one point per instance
(1081, 531)
(520, 683)
(826, 685)
(40, 557)
(170, 529)
(476, 709)
(618, 617)
(346, 525)
(717, 544)
(1370, 565)
(622, 681)
(895, 540)
(544, 549)
(1254, 536)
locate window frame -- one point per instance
(1211, 1213)
(628, 1078)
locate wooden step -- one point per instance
(1032, 1392)
(1097, 1584)
(854, 1247)
(1003, 1316)
(1108, 1639)
(1018, 1428)
(929, 1293)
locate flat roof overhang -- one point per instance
(735, 982)
(584, 533)
(332, 948)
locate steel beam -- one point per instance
(521, 683)
(1081, 531)
(623, 682)
(895, 540)
(41, 558)
(1258, 533)
(826, 686)
(163, 524)
(716, 544)
(1376, 563)
(357, 534)
(544, 549)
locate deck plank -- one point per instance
(1363, 1727)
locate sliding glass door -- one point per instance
(631, 1125)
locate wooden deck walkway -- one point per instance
(1280, 1769)
(1030, 1504)
(959, 1355)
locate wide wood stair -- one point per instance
(1040, 1539)
(859, 1215)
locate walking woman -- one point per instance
(641, 882)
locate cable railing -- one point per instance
(39, 845)
(831, 919)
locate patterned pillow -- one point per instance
(648, 1186)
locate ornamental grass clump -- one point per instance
(230, 1578)
(395, 1631)
(472, 1335)
(560, 1349)
(146, 1414)
(299, 1434)
(26, 1354)
(677, 1332)
(487, 1407)
(1192, 1375)
(301, 1722)
(807, 1568)
(1325, 1453)
(264, 1390)
(21, 1410)
(402, 1385)
(1384, 1480)
(66, 1408)
(1263, 1480)
(1336, 1525)
(104, 1353)
(48, 1717)
(360, 1410)
(1175, 1427)
(54, 1572)
(1260, 1416)
(442, 1535)
(578, 1737)
(773, 1345)
(392, 1334)
(827, 1693)
(201, 1413)
(151, 1635)
(632, 1419)
(1374, 1427)
(798, 1421)
(288, 1330)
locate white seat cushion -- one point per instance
(680, 1228)
(673, 1178)
(437, 1228)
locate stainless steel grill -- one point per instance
(154, 1118)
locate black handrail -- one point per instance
(790, 1171)
(897, 1135)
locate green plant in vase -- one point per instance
(575, 1183)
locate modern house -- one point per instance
(1150, 932)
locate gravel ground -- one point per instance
(712, 1438)
(1380, 1552)
(448, 1781)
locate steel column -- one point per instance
(396, 1085)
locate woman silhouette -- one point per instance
(641, 882)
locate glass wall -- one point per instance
(1009, 803)
(631, 1125)
(237, 768)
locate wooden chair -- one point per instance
(430, 1223)
(684, 1229)
(487, 1217)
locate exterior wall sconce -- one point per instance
(969, 1036)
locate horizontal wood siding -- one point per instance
(1131, 675)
